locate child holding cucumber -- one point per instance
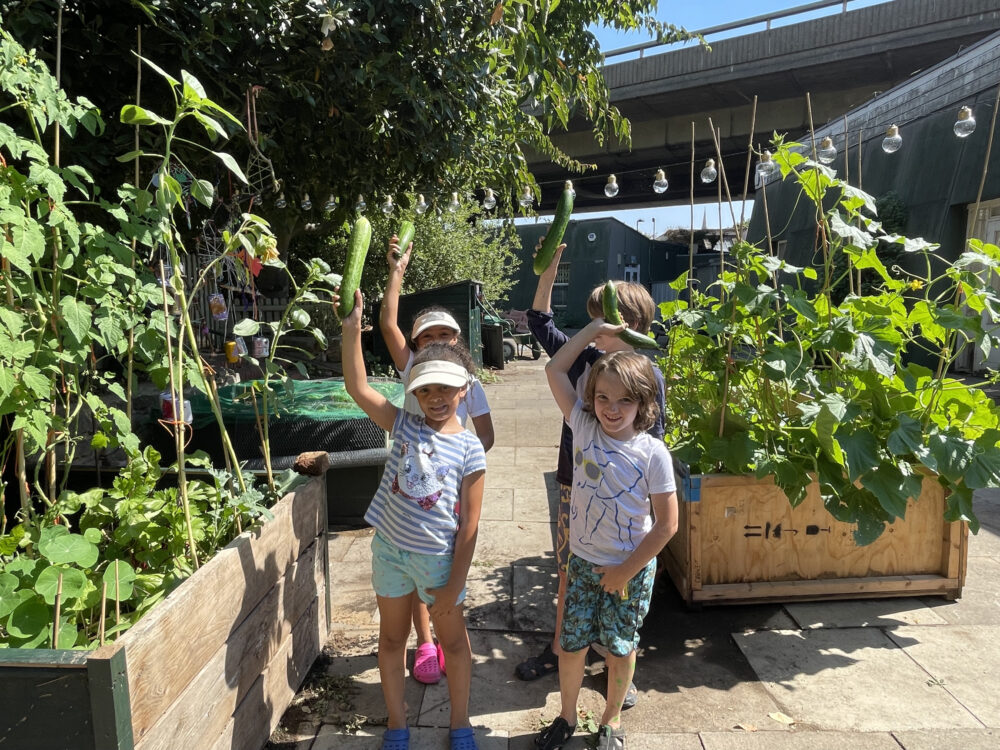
(426, 517)
(637, 310)
(623, 511)
(430, 325)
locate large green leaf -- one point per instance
(892, 488)
(68, 549)
(73, 583)
(861, 448)
(29, 618)
(120, 578)
(77, 316)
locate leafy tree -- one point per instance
(380, 97)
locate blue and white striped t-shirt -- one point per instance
(417, 502)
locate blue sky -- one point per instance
(695, 16)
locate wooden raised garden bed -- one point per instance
(739, 540)
(212, 667)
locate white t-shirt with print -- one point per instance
(473, 405)
(610, 512)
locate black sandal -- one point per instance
(538, 666)
(555, 735)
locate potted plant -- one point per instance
(818, 397)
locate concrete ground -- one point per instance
(880, 674)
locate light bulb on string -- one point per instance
(826, 152)
(568, 185)
(360, 206)
(765, 166)
(331, 203)
(660, 183)
(453, 204)
(892, 141)
(965, 124)
(421, 207)
(388, 207)
(527, 198)
(709, 173)
(306, 203)
(490, 200)
(280, 201)
(611, 189)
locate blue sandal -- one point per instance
(463, 739)
(396, 739)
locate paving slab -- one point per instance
(798, 740)
(959, 739)
(882, 613)
(961, 661)
(505, 542)
(332, 737)
(498, 504)
(533, 597)
(487, 598)
(980, 601)
(836, 679)
(534, 504)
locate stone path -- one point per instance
(915, 673)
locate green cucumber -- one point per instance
(405, 235)
(609, 303)
(357, 251)
(543, 258)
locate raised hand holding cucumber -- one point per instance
(564, 209)
(357, 251)
(405, 236)
(609, 303)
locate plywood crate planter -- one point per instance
(212, 667)
(739, 540)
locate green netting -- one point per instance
(319, 400)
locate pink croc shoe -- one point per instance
(425, 664)
(440, 657)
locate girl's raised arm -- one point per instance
(395, 340)
(375, 405)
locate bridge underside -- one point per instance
(670, 99)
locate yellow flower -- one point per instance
(268, 248)
(916, 284)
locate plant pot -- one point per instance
(739, 540)
(211, 667)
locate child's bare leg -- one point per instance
(394, 630)
(560, 601)
(571, 668)
(421, 620)
(454, 640)
(620, 672)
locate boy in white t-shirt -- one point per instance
(623, 510)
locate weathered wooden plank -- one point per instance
(167, 648)
(208, 703)
(45, 657)
(838, 588)
(257, 716)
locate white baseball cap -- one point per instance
(437, 372)
(431, 319)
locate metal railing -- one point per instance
(765, 18)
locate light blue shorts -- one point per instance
(396, 572)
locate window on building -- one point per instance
(560, 287)
(781, 248)
(632, 273)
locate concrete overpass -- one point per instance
(841, 61)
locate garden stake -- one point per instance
(690, 280)
(746, 173)
(178, 424)
(118, 602)
(20, 469)
(104, 609)
(130, 359)
(55, 622)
